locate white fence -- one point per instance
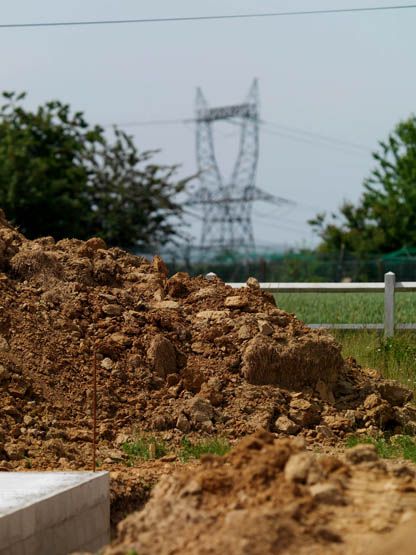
(389, 288)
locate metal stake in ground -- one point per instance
(94, 412)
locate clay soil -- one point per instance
(188, 357)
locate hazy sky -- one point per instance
(348, 76)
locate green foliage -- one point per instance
(383, 219)
(215, 446)
(59, 176)
(142, 448)
(394, 358)
(401, 446)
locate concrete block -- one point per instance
(53, 513)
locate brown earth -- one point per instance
(272, 497)
(175, 356)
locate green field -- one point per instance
(395, 358)
(346, 308)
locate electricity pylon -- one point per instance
(226, 207)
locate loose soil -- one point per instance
(272, 496)
(175, 356)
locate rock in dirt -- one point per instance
(162, 356)
(286, 425)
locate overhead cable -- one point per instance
(205, 17)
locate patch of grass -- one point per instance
(401, 447)
(345, 308)
(394, 358)
(144, 447)
(215, 446)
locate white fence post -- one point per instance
(389, 287)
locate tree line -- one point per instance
(63, 177)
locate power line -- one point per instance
(295, 134)
(286, 132)
(283, 131)
(145, 123)
(205, 17)
(314, 142)
(312, 134)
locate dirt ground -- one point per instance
(272, 496)
(187, 357)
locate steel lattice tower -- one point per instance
(226, 207)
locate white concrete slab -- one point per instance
(53, 513)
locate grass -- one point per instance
(144, 447)
(402, 447)
(395, 358)
(345, 308)
(215, 446)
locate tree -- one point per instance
(60, 176)
(384, 218)
(133, 200)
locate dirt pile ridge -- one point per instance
(175, 356)
(272, 496)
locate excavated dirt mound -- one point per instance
(272, 497)
(175, 356)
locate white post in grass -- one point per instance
(389, 287)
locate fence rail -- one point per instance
(389, 287)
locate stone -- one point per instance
(112, 309)
(120, 339)
(235, 301)
(371, 401)
(214, 315)
(394, 393)
(107, 363)
(27, 420)
(183, 424)
(265, 328)
(96, 243)
(167, 305)
(362, 453)
(211, 390)
(162, 356)
(200, 409)
(336, 422)
(304, 412)
(253, 283)
(244, 332)
(286, 425)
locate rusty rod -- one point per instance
(94, 412)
